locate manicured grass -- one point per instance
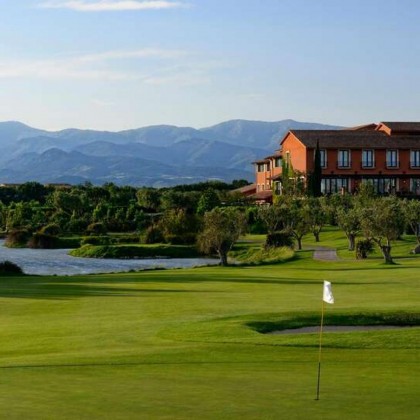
(182, 344)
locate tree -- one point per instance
(222, 228)
(314, 182)
(271, 216)
(411, 210)
(316, 215)
(148, 198)
(382, 222)
(349, 221)
(295, 217)
(208, 201)
(178, 227)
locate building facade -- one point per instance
(386, 155)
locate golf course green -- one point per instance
(190, 343)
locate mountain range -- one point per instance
(160, 155)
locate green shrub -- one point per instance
(96, 229)
(184, 239)
(279, 239)
(8, 268)
(43, 241)
(96, 240)
(135, 251)
(17, 238)
(363, 248)
(126, 239)
(52, 229)
(153, 235)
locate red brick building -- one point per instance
(387, 155)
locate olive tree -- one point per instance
(382, 222)
(222, 228)
(349, 222)
(411, 210)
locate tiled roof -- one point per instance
(404, 127)
(364, 127)
(246, 189)
(333, 139)
(263, 195)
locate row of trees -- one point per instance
(119, 209)
(379, 220)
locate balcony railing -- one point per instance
(393, 164)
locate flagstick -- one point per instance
(320, 349)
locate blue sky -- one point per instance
(110, 64)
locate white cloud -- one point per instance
(88, 66)
(111, 5)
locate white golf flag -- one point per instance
(328, 296)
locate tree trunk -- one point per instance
(386, 252)
(223, 258)
(299, 241)
(352, 241)
(316, 234)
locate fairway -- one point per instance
(179, 344)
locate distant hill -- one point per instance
(156, 155)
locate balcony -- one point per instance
(393, 164)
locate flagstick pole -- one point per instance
(320, 350)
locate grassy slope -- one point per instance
(175, 344)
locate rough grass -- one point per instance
(182, 344)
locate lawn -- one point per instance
(180, 344)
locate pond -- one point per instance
(57, 261)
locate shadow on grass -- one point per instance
(44, 288)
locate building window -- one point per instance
(415, 186)
(392, 159)
(268, 166)
(343, 159)
(260, 167)
(368, 159)
(382, 185)
(334, 185)
(277, 162)
(415, 158)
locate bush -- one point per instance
(8, 268)
(17, 238)
(279, 239)
(126, 239)
(184, 239)
(96, 240)
(43, 241)
(96, 229)
(51, 229)
(135, 251)
(363, 248)
(153, 235)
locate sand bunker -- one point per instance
(338, 328)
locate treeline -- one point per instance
(167, 214)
